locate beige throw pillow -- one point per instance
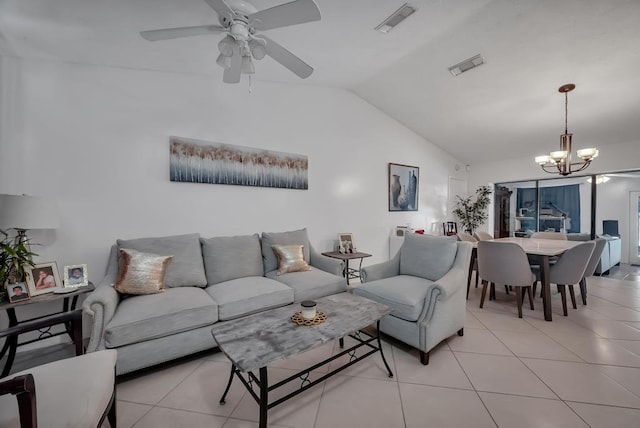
(290, 259)
(141, 273)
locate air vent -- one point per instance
(466, 65)
(396, 17)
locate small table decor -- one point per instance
(300, 320)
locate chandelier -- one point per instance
(559, 162)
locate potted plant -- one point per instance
(15, 254)
(470, 213)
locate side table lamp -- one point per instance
(22, 213)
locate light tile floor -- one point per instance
(577, 371)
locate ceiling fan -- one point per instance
(240, 20)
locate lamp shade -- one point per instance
(27, 212)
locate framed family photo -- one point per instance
(17, 292)
(43, 278)
(75, 276)
(346, 243)
(403, 187)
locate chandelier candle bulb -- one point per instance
(308, 309)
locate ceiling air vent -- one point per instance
(466, 65)
(396, 17)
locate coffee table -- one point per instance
(255, 341)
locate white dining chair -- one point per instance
(483, 236)
(505, 263)
(589, 271)
(549, 235)
(570, 269)
(463, 236)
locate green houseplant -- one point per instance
(470, 213)
(15, 255)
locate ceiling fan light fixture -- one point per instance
(247, 65)
(258, 50)
(226, 45)
(224, 61)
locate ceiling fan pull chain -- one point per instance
(250, 87)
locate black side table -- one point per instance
(69, 316)
(348, 272)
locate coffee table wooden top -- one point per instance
(256, 340)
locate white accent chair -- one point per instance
(424, 284)
(75, 392)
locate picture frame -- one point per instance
(75, 276)
(403, 189)
(345, 242)
(43, 278)
(17, 292)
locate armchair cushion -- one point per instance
(404, 293)
(244, 296)
(427, 256)
(140, 318)
(231, 257)
(294, 237)
(186, 267)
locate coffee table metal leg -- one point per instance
(264, 397)
(384, 360)
(233, 370)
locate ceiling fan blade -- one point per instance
(232, 74)
(221, 8)
(292, 13)
(175, 33)
(286, 58)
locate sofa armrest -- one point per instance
(381, 270)
(100, 305)
(325, 263)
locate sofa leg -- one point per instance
(461, 332)
(424, 358)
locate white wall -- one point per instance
(96, 140)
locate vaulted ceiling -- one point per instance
(507, 108)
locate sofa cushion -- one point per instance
(427, 256)
(311, 284)
(186, 267)
(141, 273)
(404, 293)
(244, 296)
(231, 257)
(140, 318)
(282, 238)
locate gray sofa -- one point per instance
(207, 281)
(425, 284)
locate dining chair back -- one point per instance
(505, 263)
(449, 228)
(550, 235)
(463, 236)
(591, 267)
(483, 236)
(570, 269)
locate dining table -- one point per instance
(543, 250)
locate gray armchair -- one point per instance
(425, 285)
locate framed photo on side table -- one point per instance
(403, 187)
(75, 276)
(17, 292)
(43, 278)
(346, 243)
